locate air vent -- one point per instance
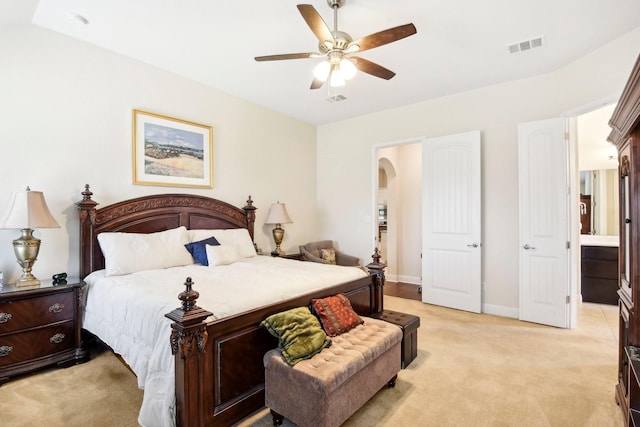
(525, 45)
(336, 98)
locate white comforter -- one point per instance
(127, 312)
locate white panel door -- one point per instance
(451, 250)
(543, 197)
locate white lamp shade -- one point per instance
(321, 71)
(336, 79)
(347, 69)
(278, 214)
(28, 209)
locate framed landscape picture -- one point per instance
(171, 152)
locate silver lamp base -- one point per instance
(26, 249)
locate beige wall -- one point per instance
(346, 154)
(65, 116)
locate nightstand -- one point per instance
(298, 256)
(40, 326)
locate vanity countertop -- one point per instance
(595, 240)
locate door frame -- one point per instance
(570, 117)
(374, 180)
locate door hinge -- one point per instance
(568, 245)
(566, 136)
(568, 299)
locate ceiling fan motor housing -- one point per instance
(340, 42)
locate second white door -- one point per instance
(451, 239)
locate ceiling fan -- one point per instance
(338, 48)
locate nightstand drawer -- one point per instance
(30, 312)
(36, 343)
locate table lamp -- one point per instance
(27, 210)
(278, 215)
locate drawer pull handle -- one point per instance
(5, 317)
(5, 350)
(57, 339)
(56, 308)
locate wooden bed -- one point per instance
(218, 364)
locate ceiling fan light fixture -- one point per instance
(347, 69)
(336, 79)
(322, 70)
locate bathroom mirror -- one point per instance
(599, 202)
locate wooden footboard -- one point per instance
(219, 368)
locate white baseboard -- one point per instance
(412, 280)
(500, 310)
(391, 277)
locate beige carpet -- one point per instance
(471, 370)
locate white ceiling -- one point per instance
(460, 44)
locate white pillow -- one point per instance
(222, 255)
(230, 237)
(201, 234)
(126, 253)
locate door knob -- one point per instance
(527, 247)
(473, 245)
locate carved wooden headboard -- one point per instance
(149, 214)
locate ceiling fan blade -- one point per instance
(316, 84)
(286, 56)
(372, 68)
(384, 37)
(316, 23)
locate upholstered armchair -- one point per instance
(324, 252)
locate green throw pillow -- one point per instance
(299, 334)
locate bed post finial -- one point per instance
(86, 194)
(188, 296)
(376, 268)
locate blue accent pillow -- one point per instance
(198, 250)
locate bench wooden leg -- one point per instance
(392, 382)
(277, 418)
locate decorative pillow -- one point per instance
(238, 237)
(198, 249)
(130, 252)
(336, 314)
(329, 255)
(221, 255)
(299, 334)
(309, 256)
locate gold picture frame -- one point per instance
(171, 152)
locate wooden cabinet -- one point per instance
(599, 274)
(625, 134)
(40, 326)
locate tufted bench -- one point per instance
(328, 388)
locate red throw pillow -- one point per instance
(336, 314)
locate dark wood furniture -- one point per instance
(297, 256)
(599, 274)
(40, 326)
(218, 364)
(409, 325)
(625, 134)
(585, 214)
(633, 356)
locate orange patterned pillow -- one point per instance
(336, 314)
